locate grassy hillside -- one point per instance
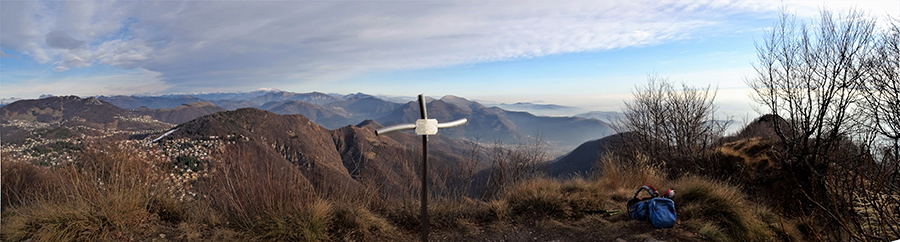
(117, 192)
(252, 175)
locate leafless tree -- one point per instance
(882, 89)
(809, 75)
(881, 116)
(672, 124)
(834, 84)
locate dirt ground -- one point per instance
(618, 228)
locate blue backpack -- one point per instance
(659, 210)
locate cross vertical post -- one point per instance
(424, 195)
(423, 127)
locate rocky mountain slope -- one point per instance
(332, 159)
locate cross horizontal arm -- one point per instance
(452, 123)
(433, 126)
(393, 128)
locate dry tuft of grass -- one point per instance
(753, 152)
(538, 198)
(545, 198)
(722, 213)
(460, 216)
(356, 223)
(621, 176)
(498, 210)
(307, 224)
(630, 173)
(190, 231)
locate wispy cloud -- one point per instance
(247, 44)
(135, 81)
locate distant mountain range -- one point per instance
(540, 109)
(180, 114)
(151, 102)
(605, 116)
(5, 101)
(333, 111)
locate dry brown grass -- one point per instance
(21, 182)
(307, 224)
(116, 193)
(356, 223)
(754, 152)
(109, 195)
(538, 198)
(245, 186)
(113, 195)
(722, 212)
(622, 176)
(545, 198)
(714, 209)
(268, 198)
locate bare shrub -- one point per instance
(671, 125)
(864, 191)
(513, 164)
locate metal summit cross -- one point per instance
(423, 127)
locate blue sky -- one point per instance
(588, 54)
